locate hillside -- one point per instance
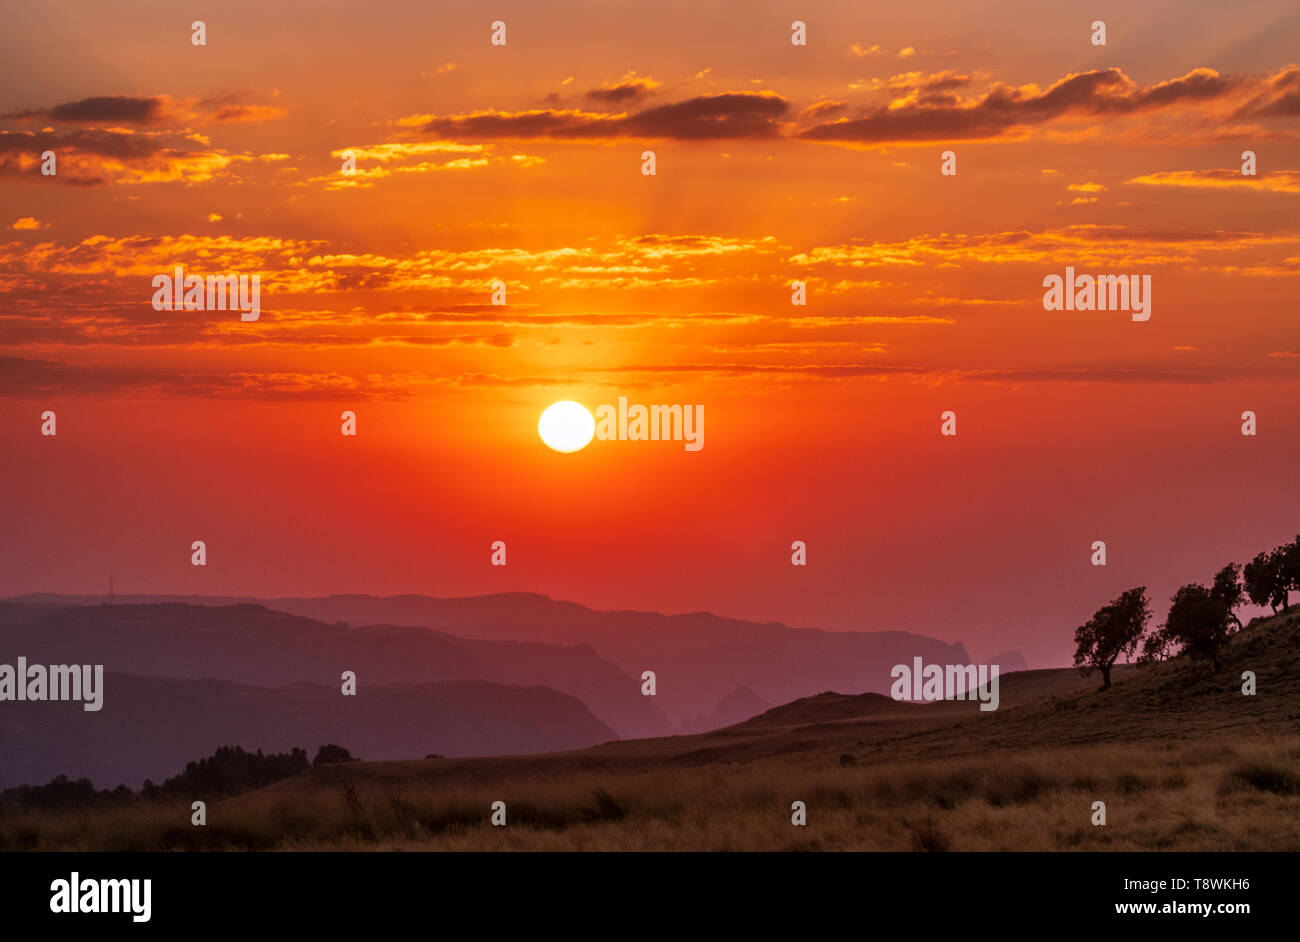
(1143, 704)
(1179, 700)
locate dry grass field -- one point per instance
(1182, 759)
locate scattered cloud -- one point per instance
(1113, 245)
(151, 111)
(630, 88)
(101, 109)
(1279, 181)
(92, 156)
(414, 157)
(820, 109)
(244, 114)
(706, 117)
(1004, 110)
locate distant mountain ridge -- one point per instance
(737, 706)
(698, 658)
(251, 644)
(150, 727)
(1009, 661)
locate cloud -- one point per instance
(31, 377)
(706, 117)
(489, 379)
(405, 150)
(103, 109)
(1280, 96)
(924, 114)
(152, 110)
(20, 377)
(851, 320)
(29, 222)
(246, 114)
(407, 157)
(937, 375)
(653, 261)
(944, 81)
(129, 139)
(123, 144)
(515, 316)
(1091, 375)
(94, 293)
(812, 370)
(90, 156)
(1082, 244)
(291, 267)
(920, 107)
(1279, 181)
(630, 87)
(820, 109)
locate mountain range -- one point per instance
(468, 676)
(698, 658)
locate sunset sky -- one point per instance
(522, 163)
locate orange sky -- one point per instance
(522, 164)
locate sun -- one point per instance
(566, 426)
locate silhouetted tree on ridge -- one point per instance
(230, 771)
(227, 772)
(1271, 577)
(1114, 630)
(1229, 591)
(330, 752)
(61, 794)
(1200, 619)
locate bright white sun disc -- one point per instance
(566, 426)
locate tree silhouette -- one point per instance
(1116, 629)
(229, 771)
(331, 753)
(1271, 577)
(1228, 590)
(1200, 620)
(232, 771)
(62, 794)
(1290, 577)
